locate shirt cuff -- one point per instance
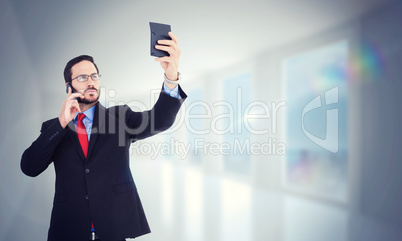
(172, 92)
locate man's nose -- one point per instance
(90, 82)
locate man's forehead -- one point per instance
(83, 67)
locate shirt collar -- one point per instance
(88, 113)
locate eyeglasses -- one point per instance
(84, 77)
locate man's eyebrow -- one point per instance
(87, 74)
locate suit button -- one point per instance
(86, 197)
(87, 170)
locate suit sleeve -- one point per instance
(38, 156)
(140, 125)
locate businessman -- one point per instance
(95, 194)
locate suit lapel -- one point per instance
(74, 139)
(98, 126)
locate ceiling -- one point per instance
(212, 34)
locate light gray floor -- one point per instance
(183, 203)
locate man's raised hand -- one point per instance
(69, 108)
(170, 63)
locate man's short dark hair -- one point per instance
(76, 60)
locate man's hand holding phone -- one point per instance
(164, 44)
(169, 63)
(69, 108)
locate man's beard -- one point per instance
(87, 102)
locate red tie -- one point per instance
(82, 134)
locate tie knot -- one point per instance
(81, 116)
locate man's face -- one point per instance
(89, 88)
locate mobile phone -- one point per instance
(69, 86)
(159, 31)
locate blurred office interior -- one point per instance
(290, 132)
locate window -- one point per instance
(236, 92)
(316, 91)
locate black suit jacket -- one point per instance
(99, 188)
